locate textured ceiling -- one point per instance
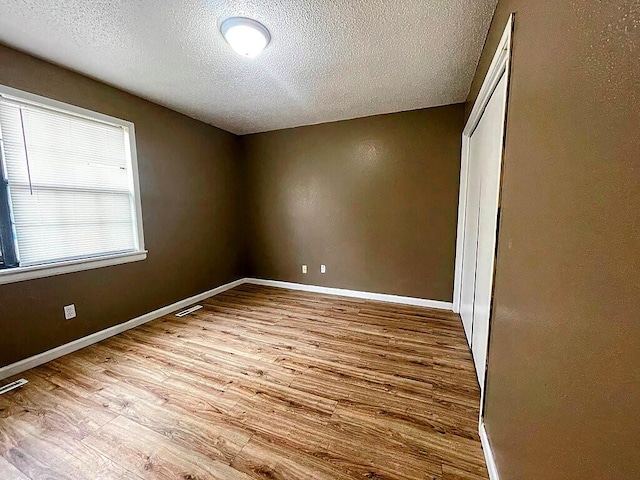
(328, 59)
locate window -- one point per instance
(69, 195)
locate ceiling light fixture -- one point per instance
(246, 36)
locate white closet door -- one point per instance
(486, 151)
(467, 292)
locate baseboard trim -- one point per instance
(381, 297)
(488, 453)
(44, 357)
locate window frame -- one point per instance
(18, 274)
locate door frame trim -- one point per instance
(499, 65)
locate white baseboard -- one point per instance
(31, 362)
(488, 453)
(381, 297)
(49, 355)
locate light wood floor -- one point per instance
(262, 383)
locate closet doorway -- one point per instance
(479, 205)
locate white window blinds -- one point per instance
(69, 182)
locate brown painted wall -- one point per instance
(563, 392)
(375, 199)
(189, 176)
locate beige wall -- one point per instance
(375, 199)
(189, 176)
(563, 392)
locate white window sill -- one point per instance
(20, 274)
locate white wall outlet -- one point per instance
(304, 269)
(70, 311)
(323, 269)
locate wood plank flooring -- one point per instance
(261, 383)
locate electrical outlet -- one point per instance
(323, 269)
(304, 269)
(70, 311)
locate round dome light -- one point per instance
(247, 37)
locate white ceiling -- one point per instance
(328, 59)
